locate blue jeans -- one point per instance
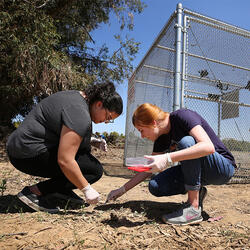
(192, 174)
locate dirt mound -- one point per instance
(132, 222)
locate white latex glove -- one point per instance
(99, 143)
(160, 162)
(114, 194)
(91, 195)
(103, 145)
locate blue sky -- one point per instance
(148, 25)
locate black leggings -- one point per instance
(46, 165)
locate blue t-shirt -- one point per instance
(182, 121)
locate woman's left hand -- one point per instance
(99, 143)
(103, 145)
(91, 195)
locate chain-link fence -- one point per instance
(199, 63)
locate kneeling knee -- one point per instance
(186, 142)
(98, 174)
(153, 188)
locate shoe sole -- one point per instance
(35, 207)
(182, 224)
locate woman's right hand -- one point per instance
(114, 194)
(91, 195)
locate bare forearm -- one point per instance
(136, 180)
(196, 151)
(73, 173)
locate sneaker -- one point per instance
(202, 195)
(68, 195)
(36, 202)
(184, 216)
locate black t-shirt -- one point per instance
(182, 121)
(41, 128)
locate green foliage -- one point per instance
(46, 46)
(105, 134)
(112, 137)
(97, 134)
(234, 145)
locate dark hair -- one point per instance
(106, 93)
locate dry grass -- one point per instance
(133, 222)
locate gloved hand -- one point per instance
(160, 162)
(114, 194)
(91, 195)
(99, 143)
(103, 145)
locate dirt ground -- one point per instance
(132, 222)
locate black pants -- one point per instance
(46, 165)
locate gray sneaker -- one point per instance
(37, 203)
(202, 195)
(184, 216)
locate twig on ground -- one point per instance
(161, 231)
(14, 234)
(47, 228)
(192, 239)
(105, 238)
(90, 229)
(177, 231)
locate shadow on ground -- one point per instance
(11, 204)
(148, 211)
(152, 210)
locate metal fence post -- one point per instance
(184, 62)
(219, 116)
(177, 84)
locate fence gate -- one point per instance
(203, 64)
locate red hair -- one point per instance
(146, 114)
